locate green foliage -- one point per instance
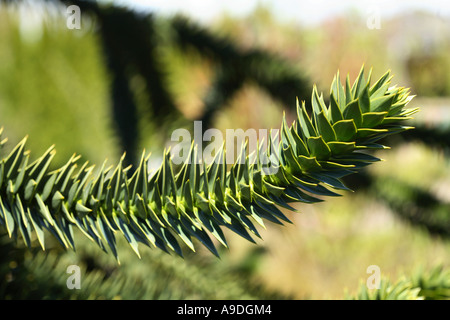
(423, 285)
(197, 200)
(400, 290)
(44, 94)
(157, 276)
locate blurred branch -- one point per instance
(419, 207)
(159, 276)
(270, 72)
(433, 137)
(130, 41)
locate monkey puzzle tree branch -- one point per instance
(196, 201)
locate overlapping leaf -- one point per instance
(198, 200)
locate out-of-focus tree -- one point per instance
(132, 43)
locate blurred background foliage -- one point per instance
(125, 80)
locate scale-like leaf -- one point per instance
(345, 130)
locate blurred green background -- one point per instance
(60, 86)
